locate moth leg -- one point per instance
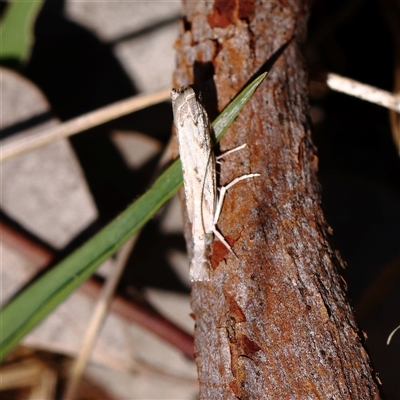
(223, 191)
(224, 242)
(231, 151)
(220, 203)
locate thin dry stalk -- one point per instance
(99, 314)
(20, 144)
(364, 92)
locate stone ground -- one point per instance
(45, 192)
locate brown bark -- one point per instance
(276, 323)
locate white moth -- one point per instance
(199, 178)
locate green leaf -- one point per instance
(16, 34)
(32, 305)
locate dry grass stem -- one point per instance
(98, 317)
(364, 92)
(20, 144)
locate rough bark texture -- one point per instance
(275, 324)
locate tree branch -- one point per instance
(276, 323)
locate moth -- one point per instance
(199, 178)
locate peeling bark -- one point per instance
(276, 323)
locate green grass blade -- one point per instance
(32, 305)
(232, 110)
(16, 32)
